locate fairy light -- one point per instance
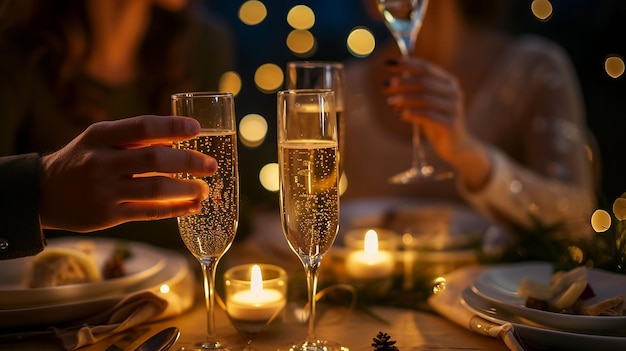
(269, 177)
(230, 82)
(269, 78)
(252, 12)
(614, 66)
(542, 9)
(361, 42)
(301, 43)
(252, 130)
(301, 17)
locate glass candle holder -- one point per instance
(255, 295)
(370, 262)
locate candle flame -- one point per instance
(256, 280)
(371, 242)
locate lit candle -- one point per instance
(370, 263)
(257, 303)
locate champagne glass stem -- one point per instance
(208, 272)
(312, 273)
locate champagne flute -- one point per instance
(404, 20)
(309, 182)
(322, 75)
(209, 234)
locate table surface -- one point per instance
(413, 330)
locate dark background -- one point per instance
(589, 30)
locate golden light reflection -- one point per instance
(542, 9)
(252, 130)
(301, 43)
(600, 221)
(164, 289)
(269, 78)
(252, 12)
(614, 66)
(230, 82)
(269, 177)
(361, 42)
(343, 184)
(301, 17)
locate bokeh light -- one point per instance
(301, 43)
(269, 177)
(230, 82)
(252, 12)
(301, 17)
(269, 78)
(361, 42)
(542, 9)
(252, 130)
(343, 184)
(614, 66)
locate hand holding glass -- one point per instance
(209, 234)
(309, 184)
(404, 20)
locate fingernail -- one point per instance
(210, 164)
(191, 127)
(205, 190)
(196, 207)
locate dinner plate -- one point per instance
(145, 261)
(175, 270)
(540, 337)
(499, 285)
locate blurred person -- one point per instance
(89, 184)
(70, 63)
(505, 113)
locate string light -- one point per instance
(542, 9)
(269, 177)
(614, 66)
(361, 42)
(252, 12)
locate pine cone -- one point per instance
(382, 343)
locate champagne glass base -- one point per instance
(317, 345)
(415, 174)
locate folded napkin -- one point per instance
(132, 310)
(448, 304)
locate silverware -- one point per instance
(160, 341)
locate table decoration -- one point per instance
(368, 261)
(255, 295)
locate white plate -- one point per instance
(144, 263)
(499, 285)
(175, 269)
(541, 338)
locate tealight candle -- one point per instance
(370, 263)
(252, 300)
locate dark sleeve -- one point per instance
(20, 230)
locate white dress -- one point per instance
(529, 110)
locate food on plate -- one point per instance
(568, 292)
(57, 266)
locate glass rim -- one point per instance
(314, 64)
(306, 91)
(201, 94)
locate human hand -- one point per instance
(90, 184)
(424, 93)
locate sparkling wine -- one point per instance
(309, 198)
(404, 19)
(211, 232)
